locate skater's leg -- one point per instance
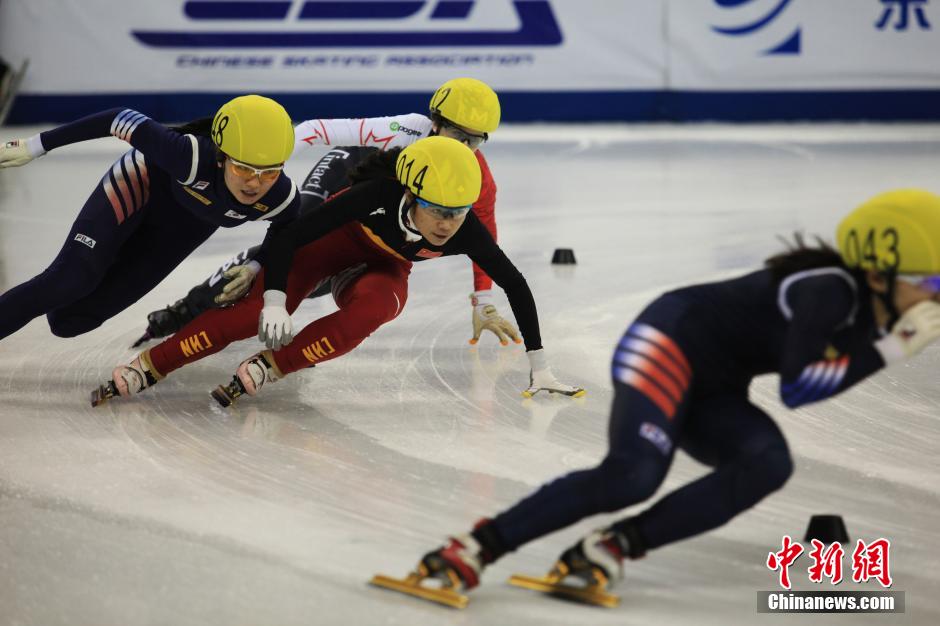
(90, 249)
(373, 298)
(639, 457)
(170, 319)
(166, 237)
(216, 328)
(751, 459)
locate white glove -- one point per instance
(240, 278)
(914, 331)
(541, 378)
(274, 326)
(20, 151)
(486, 317)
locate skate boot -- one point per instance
(253, 372)
(585, 571)
(164, 322)
(126, 380)
(456, 566)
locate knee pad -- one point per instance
(760, 474)
(627, 479)
(77, 280)
(66, 324)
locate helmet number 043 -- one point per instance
(882, 254)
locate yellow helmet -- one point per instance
(467, 102)
(441, 171)
(896, 231)
(254, 130)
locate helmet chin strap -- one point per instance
(411, 233)
(887, 299)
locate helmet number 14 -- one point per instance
(416, 182)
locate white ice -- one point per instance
(166, 509)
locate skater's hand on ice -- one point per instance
(274, 325)
(238, 282)
(541, 378)
(20, 152)
(914, 331)
(486, 317)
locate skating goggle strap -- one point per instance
(473, 141)
(443, 212)
(245, 171)
(927, 283)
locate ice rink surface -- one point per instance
(166, 509)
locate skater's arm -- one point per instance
(352, 204)
(176, 153)
(480, 247)
(810, 369)
(379, 132)
(279, 223)
(485, 210)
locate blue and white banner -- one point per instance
(803, 44)
(549, 59)
(316, 46)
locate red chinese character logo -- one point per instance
(783, 559)
(828, 563)
(871, 561)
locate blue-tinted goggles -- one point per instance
(927, 283)
(442, 212)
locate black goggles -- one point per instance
(473, 141)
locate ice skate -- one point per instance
(166, 321)
(584, 572)
(253, 372)
(455, 567)
(126, 380)
(10, 81)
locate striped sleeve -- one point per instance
(125, 123)
(817, 305)
(163, 147)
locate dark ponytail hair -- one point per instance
(380, 164)
(800, 256)
(201, 126)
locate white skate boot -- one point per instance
(595, 563)
(250, 376)
(126, 380)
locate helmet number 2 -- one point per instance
(866, 252)
(416, 182)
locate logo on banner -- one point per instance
(402, 23)
(902, 10)
(790, 45)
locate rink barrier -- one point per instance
(915, 105)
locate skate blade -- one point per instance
(143, 339)
(412, 587)
(577, 393)
(103, 393)
(224, 396)
(552, 585)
